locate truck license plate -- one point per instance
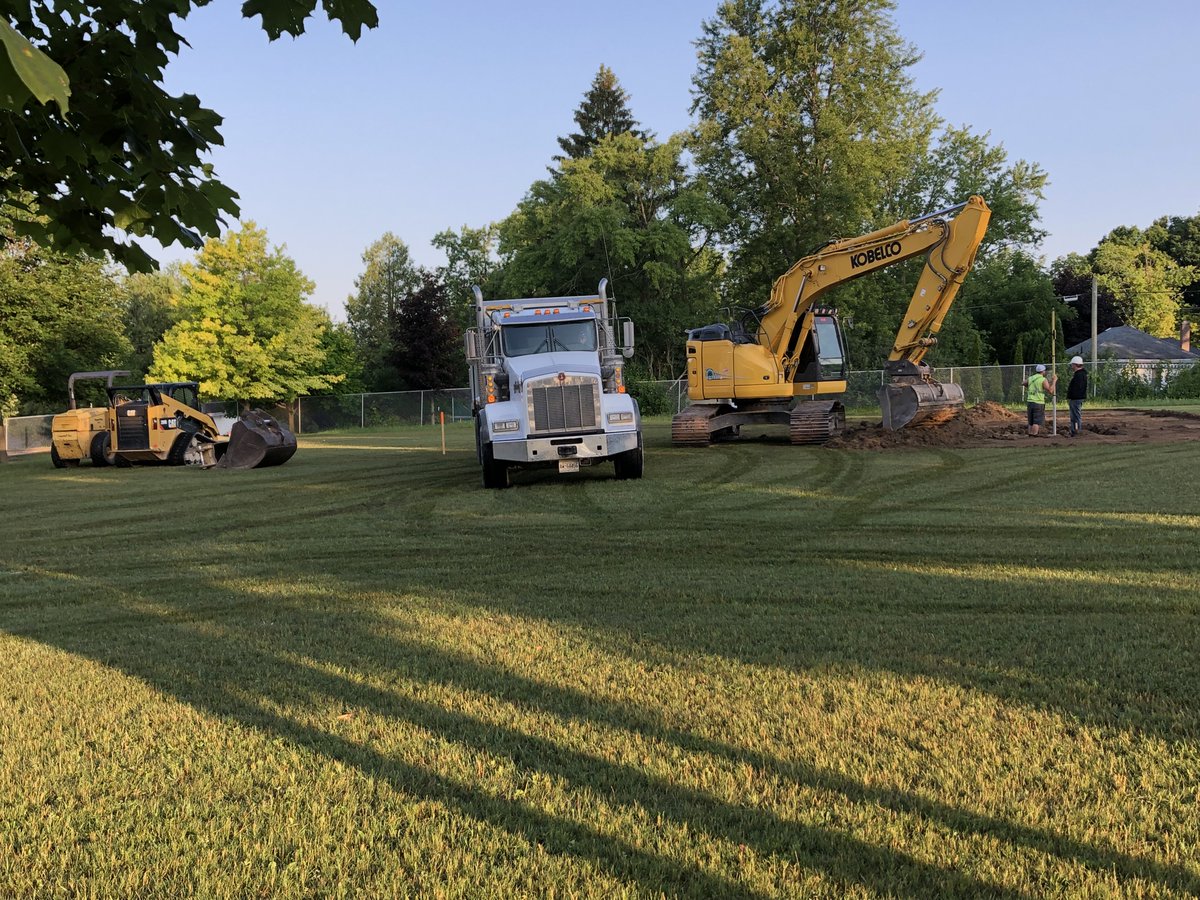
(568, 465)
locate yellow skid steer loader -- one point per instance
(163, 423)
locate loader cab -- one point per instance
(184, 392)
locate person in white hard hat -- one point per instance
(1037, 387)
(1076, 394)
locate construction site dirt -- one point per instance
(991, 425)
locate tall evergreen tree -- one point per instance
(603, 112)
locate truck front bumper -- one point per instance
(565, 446)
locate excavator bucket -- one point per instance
(919, 404)
(257, 440)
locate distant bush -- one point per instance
(1185, 384)
(652, 398)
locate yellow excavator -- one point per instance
(769, 365)
(163, 423)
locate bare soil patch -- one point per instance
(990, 424)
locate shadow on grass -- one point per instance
(173, 650)
(168, 652)
(726, 584)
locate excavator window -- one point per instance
(831, 357)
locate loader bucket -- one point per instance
(257, 440)
(918, 404)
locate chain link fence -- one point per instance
(26, 434)
(1109, 381)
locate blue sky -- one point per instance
(445, 114)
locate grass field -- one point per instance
(761, 671)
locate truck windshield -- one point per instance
(524, 340)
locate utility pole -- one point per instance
(1095, 353)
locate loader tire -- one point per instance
(101, 450)
(55, 459)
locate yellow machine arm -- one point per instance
(949, 238)
(772, 366)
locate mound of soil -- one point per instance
(989, 424)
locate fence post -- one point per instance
(362, 410)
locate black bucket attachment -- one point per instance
(924, 404)
(257, 440)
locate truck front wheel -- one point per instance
(629, 463)
(495, 472)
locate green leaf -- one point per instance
(280, 16)
(25, 70)
(127, 217)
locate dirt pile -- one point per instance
(990, 424)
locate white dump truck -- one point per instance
(548, 386)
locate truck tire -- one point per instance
(495, 472)
(101, 449)
(630, 463)
(55, 459)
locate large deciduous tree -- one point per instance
(1179, 238)
(246, 331)
(470, 261)
(58, 314)
(810, 129)
(807, 121)
(1146, 284)
(388, 278)
(626, 212)
(127, 155)
(150, 306)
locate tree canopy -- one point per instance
(1146, 283)
(626, 212)
(58, 314)
(388, 278)
(245, 331)
(125, 156)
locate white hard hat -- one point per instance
(1040, 368)
(1077, 360)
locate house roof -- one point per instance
(1127, 342)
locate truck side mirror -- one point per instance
(627, 338)
(470, 346)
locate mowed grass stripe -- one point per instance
(761, 671)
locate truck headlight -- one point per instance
(506, 425)
(620, 418)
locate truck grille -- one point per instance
(567, 405)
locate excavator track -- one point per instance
(692, 427)
(816, 421)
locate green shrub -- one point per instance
(1185, 384)
(652, 398)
